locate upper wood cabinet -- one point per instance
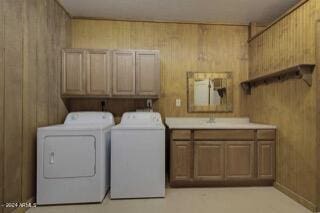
(147, 72)
(73, 72)
(124, 74)
(98, 72)
(86, 72)
(119, 73)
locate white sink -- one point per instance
(219, 123)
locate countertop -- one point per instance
(219, 123)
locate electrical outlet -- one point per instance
(149, 103)
(178, 102)
(103, 105)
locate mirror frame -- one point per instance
(192, 76)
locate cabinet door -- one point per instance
(98, 72)
(209, 160)
(123, 71)
(266, 159)
(148, 72)
(181, 161)
(73, 72)
(239, 159)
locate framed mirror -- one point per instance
(210, 92)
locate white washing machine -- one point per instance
(138, 156)
(73, 159)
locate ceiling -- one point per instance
(200, 11)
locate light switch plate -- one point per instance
(178, 102)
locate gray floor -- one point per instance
(194, 200)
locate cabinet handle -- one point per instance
(52, 158)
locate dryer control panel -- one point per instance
(89, 118)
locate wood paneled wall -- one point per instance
(183, 47)
(117, 106)
(32, 34)
(318, 110)
(291, 105)
(1, 101)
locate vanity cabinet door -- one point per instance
(147, 72)
(266, 160)
(181, 161)
(239, 159)
(98, 72)
(73, 72)
(123, 71)
(208, 160)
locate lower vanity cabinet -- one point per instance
(266, 154)
(181, 161)
(266, 159)
(181, 156)
(208, 160)
(239, 160)
(243, 157)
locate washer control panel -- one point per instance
(141, 118)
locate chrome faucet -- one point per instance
(212, 119)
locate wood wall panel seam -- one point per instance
(2, 72)
(29, 104)
(318, 109)
(22, 96)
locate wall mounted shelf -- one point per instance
(301, 71)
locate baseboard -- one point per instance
(306, 203)
(24, 209)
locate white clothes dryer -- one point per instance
(73, 159)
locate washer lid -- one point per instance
(88, 118)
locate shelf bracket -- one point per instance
(300, 71)
(246, 87)
(306, 75)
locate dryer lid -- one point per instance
(88, 118)
(141, 118)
